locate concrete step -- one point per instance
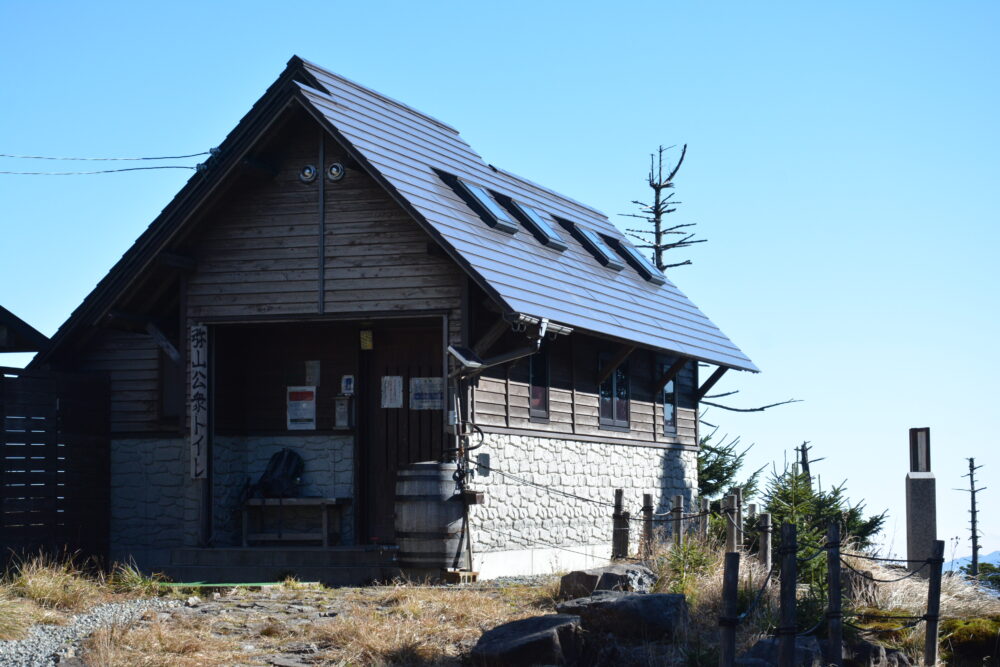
(284, 557)
(358, 575)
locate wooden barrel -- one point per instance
(428, 516)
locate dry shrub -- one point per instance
(54, 584)
(695, 570)
(127, 578)
(17, 616)
(407, 624)
(183, 642)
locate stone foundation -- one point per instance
(548, 501)
(154, 501)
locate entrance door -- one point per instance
(403, 395)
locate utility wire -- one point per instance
(103, 159)
(84, 173)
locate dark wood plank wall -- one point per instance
(501, 395)
(257, 253)
(131, 362)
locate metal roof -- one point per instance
(405, 147)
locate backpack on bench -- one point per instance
(281, 478)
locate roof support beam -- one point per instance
(710, 382)
(490, 337)
(146, 324)
(615, 362)
(671, 373)
(161, 339)
(177, 261)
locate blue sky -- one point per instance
(842, 163)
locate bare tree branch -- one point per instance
(757, 409)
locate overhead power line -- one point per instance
(82, 173)
(105, 159)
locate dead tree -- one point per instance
(972, 490)
(661, 237)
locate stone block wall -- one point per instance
(154, 501)
(538, 492)
(240, 460)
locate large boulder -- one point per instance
(617, 577)
(632, 615)
(864, 653)
(540, 640)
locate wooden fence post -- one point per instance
(764, 553)
(727, 622)
(647, 525)
(789, 574)
(677, 514)
(618, 526)
(729, 512)
(933, 604)
(706, 505)
(738, 492)
(834, 618)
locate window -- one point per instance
(669, 400)
(640, 263)
(614, 398)
(492, 213)
(538, 384)
(539, 226)
(592, 241)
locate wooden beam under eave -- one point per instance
(671, 373)
(710, 382)
(490, 337)
(615, 362)
(177, 261)
(163, 342)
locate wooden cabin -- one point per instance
(302, 291)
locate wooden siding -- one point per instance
(131, 362)
(258, 253)
(501, 395)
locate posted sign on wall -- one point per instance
(198, 400)
(301, 408)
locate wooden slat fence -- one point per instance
(54, 463)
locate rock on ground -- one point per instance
(765, 652)
(630, 615)
(617, 577)
(540, 640)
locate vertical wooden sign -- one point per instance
(198, 397)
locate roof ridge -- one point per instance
(381, 96)
(526, 181)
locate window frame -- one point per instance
(542, 357)
(543, 230)
(615, 422)
(670, 430)
(491, 215)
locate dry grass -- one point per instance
(696, 570)
(54, 584)
(960, 599)
(181, 642)
(407, 624)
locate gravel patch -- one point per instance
(39, 649)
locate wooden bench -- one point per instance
(260, 505)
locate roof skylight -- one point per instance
(599, 249)
(494, 214)
(539, 226)
(641, 263)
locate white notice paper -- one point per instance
(301, 408)
(312, 372)
(392, 391)
(426, 393)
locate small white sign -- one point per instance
(301, 408)
(426, 393)
(347, 385)
(392, 391)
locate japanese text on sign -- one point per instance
(198, 401)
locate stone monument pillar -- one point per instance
(921, 501)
